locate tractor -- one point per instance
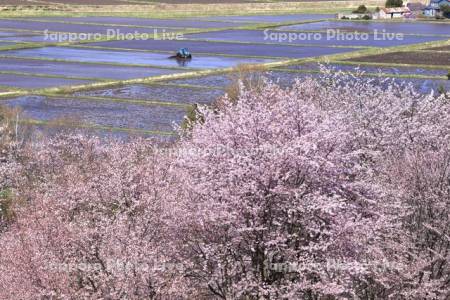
(182, 54)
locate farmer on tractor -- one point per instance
(183, 53)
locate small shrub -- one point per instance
(362, 9)
(193, 116)
(245, 76)
(6, 210)
(9, 130)
(445, 10)
(394, 3)
(11, 140)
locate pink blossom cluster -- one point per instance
(337, 188)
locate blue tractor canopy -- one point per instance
(184, 53)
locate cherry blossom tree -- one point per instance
(93, 226)
(296, 196)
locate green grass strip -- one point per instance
(30, 31)
(430, 51)
(13, 94)
(24, 45)
(8, 88)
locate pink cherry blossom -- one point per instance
(336, 188)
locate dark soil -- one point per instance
(373, 69)
(21, 2)
(271, 18)
(413, 58)
(70, 2)
(443, 48)
(131, 2)
(122, 2)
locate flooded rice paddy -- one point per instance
(100, 113)
(78, 69)
(273, 36)
(241, 49)
(130, 57)
(33, 82)
(166, 93)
